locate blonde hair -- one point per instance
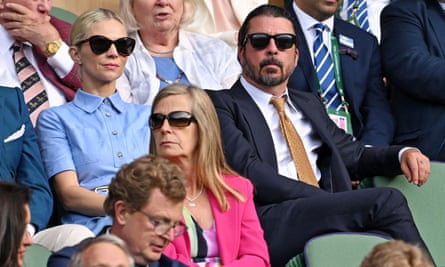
(126, 12)
(84, 22)
(211, 163)
(396, 253)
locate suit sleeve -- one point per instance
(408, 44)
(379, 124)
(270, 187)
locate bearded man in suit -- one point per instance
(292, 211)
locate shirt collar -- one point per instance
(307, 22)
(90, 103)
(6, 40)
(259, 96)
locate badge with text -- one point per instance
(341, 119)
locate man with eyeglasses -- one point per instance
(145, 201)
(300, 162)
(341, 63)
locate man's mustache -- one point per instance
(269, 61)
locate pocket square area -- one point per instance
(16, 135)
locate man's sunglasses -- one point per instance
(100, 44)
(174, 118)
(261, 40)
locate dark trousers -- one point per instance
(290, 224)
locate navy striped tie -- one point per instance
(358, 9)
(325, 70)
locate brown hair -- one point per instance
(135, 182)
(396, 253)
(13, 198)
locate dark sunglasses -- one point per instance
(261, 40)
(100, 44)
(174, 118)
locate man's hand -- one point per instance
(415, 166)
(28, 25)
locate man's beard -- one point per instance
(266, 80)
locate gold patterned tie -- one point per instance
(296, 147)
(34, 92)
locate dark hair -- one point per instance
(135, 182)
(13, 198)
(264, 10)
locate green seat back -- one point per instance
(340, 249)
(63, 14)
(36, 256)
(427, 206)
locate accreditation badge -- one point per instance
(342, 119)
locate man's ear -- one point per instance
(121, 212)
(240, 55)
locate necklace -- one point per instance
(180, 75)
(191, 201)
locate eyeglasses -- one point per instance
(100, 44)
(261, 40)
(161, 226)
(175, 118)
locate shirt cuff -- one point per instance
(61, 62)
(405, 149)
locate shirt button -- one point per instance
(114, 132)
(105, 101)
(120, 155)
(108, 114)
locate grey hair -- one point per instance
(77, 258)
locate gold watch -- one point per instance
(53, 47)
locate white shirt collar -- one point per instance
(307, 22)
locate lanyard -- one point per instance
(337, 72)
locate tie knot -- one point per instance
(278, 103)
(17, 46)
(319, 28)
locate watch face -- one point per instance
(53, 47)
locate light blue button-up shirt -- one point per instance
(93, 136)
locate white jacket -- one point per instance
(207, 62)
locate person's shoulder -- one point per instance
(342, 27)
(203, 40)
(165, 261)
(237, 182)
(62, 257)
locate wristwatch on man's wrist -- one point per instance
(53, 47)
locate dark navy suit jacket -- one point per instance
(413, 55)
(20, 160)
(372, 119)
(249, 148)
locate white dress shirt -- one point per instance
(286, 165)
(307, 24)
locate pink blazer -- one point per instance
(240, 236)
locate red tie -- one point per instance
(36, 97)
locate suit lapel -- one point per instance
(305, 61)
(251, 114)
